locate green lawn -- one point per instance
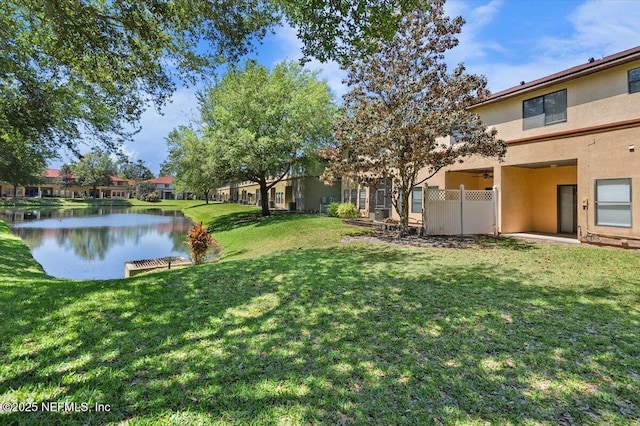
(294, 327)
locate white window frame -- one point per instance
(622, 202)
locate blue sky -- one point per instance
(508, 41)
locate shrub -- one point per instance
(146, 191)
(200, 240)
(332, 209)
(151, 197)
(348, 211)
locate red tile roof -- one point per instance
(52, 173)
(162, 180)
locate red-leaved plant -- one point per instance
(200, 240)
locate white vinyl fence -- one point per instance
(460, 211)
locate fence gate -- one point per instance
(460, 211)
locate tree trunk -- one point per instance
(264, 194)
(206, 197)
(404, 214)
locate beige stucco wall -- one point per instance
(592, 100)
(608, 157)
(531, 172)
(529, 197)
(543, 191)
(311, 190)
(594, 143)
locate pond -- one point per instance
(86, 244)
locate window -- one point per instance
(279, 197)
(416, 200)
(544, 110)
(363, 199)
(345, 197)
(381, 197)
(634, 80)
(613, 202)
(462, 133)
(456, 137)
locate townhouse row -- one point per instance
(573, 156)
(572, 164)
(300, 190)
(50, 186)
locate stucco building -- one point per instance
(51, 186)
(299, 190)
(573, 158)
(164, 187)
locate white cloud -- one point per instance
(471, 46)
(149, 144)
(597, 28)
(600, 28)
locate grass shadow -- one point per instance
(241, 219)
(234, 220)
(367, 334)
(506, 242)
(33, 202)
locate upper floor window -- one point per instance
(544, 110)
(634, 80)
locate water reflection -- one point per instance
(95, 243)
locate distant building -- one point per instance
(164, 187)
(51, 186)
(299, 190)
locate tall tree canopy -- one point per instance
(78, 68)
(73, 69)
(20, 162)
(136, 171)
(192, 162)
(260, 123)
(66, 178)
(342, 30)
(95, 169)
(402, 106)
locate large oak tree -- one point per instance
(261, 123)
(71, 70)
(94, 169)
(406, 116)
(20, 162)
(192, 162)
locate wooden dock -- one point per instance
(135, 267)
